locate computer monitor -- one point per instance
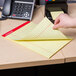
(1, 3)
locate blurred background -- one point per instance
(2, 2)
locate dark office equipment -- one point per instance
(1, 3)
(40, 2)
(18, 9)
(55, 5)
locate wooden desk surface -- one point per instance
(13, 55)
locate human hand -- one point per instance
(63, 21)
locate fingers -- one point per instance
(57, 22)
(56, 26)
(58, 19)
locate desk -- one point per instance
(13, 55)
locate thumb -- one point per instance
(55, 27)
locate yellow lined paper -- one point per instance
(45, 48)
(55, 14)
(41, 31)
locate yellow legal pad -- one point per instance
(55, 14)
(40, 38)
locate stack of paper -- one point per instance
(55, 14)
(39, 38)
